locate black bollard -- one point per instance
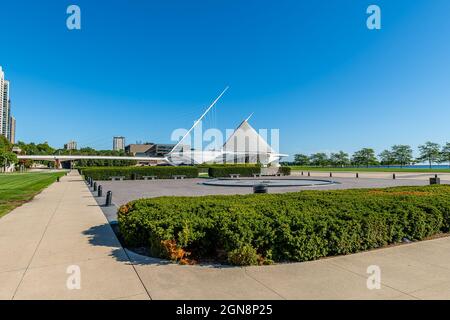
(95, 186)
(357, 175)
(393, 176)
(435, 180)
(57, 179)
(100, 191)
(309, 174)
(108, 199)
(260, 188)
(92, 182)
(302, 172)
(331, 174)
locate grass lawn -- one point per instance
(18, 188)
(329, 169)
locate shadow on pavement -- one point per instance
(107, 235)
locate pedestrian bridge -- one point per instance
(58, 159)
(84, 157)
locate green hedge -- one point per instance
(250, 229)
(285, 171)
(104, 173)
(225, 171)
(209, 165)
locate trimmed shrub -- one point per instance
(225, 171)
(245, 256)
(131, 173)
(301, 226)
(285, 171)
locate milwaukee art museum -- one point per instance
(245, 145)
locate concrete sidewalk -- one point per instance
(64, 226)
(411, 271)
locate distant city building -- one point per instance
(149, 149)
(16, 150)
(160, 150)
(7, 121)
(71, 145)
(138, 149)
(118, 143)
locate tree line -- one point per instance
(45, 149)
(398, 155)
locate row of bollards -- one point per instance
(98, 187)
(258, 188)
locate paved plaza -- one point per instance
(125, 191)
(63, 227)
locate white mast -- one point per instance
(200, 119)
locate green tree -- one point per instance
(365, 157)
(445, 153)
(403, 154)
(301, 159)
(340, 159)
(44, 148)
(6, 156)
(5, 145)
(319, 159)
(429, 152)
(387, 158)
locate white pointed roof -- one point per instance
(246, 139)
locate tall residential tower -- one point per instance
(118, 143)
(7, 121)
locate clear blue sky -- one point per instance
(310, 68)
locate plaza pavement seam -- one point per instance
(128, 296)
(364, 277)
(263, 284)
(39, 242)
(138, 275)
(427, 287)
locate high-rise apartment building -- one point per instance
(118, 143)
(12, 130)
(7, 121)
(71, 145)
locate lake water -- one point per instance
(419, 166)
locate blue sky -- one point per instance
(310, 68)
